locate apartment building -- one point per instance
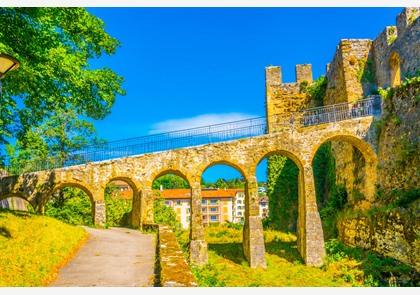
(216, 206)
(239, 207)
(263, 207)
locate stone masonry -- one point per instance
(358, 68)
(297, 142)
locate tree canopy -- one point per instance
(54, 47)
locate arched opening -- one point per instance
(172, 200)
(71, 203)
(344, 175)
(223, 206)
(223, 196)
(119, 198)
(395, 69)
(278, 189)
(16, 202)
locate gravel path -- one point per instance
(117, 257)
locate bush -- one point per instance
(71, 206)
(117, 211)
(371, 269)
(165, 215)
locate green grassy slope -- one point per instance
(33, 247)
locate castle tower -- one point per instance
(285, 98)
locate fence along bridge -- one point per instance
(241, 144)
(209, 134)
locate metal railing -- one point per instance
(342, 111)
(208, 134)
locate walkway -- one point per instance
(117, 257)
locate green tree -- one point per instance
(53, 140)
(55, 47)
(170, 181)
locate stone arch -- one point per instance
(261, 156)
(85, 188)
(302, 202)
(175, 171)
(363, 146)
(229, 163)
(395, 69)
(135, 214)
(14, 194)
(369, 156)
(18, 195)
(253, 240)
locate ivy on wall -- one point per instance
(282, 191)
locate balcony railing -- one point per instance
(207, 134)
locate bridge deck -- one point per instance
(208, 134)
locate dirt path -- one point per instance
(111, 257)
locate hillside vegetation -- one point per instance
(33, 247)
(344, 266)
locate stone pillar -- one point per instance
(310, 234)
(198, 245)
(253, 235)
(99, 213)
(147, 199)
(135, 218)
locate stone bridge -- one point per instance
(299, 142)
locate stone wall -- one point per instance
(285, 98)
(358, 68)
(346, 79)
(403, 40)
(398, 142)
(173, 268)
(393, 234)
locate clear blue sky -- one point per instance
(182, 63)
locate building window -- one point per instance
(213, 217)
(213, 209)
(178, 203)
(203, 209)
(239, 213)
(203, 202)
(214, 201)
(188, 210)
(168, 203)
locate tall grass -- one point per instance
(32, 248)
(344, 266)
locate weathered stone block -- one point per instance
(198, 252)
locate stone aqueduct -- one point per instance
(296, 142)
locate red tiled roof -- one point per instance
(205, 193)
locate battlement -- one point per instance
(274, 75)
(284, 98)
(358, 68)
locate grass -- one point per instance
(33, 248)
(344, 266)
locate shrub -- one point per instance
(165, 215)
(71, 206)
(117, 211)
